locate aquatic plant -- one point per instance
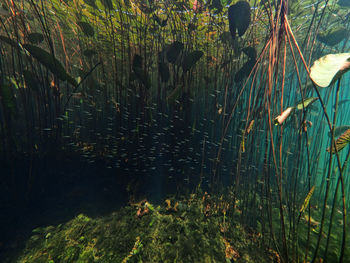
(173, 97)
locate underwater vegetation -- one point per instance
(167, 100)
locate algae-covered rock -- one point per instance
(189, 234)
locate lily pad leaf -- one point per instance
(35, 38)
(239, 18)
(307, 102)
(174, 51)
(341, 142)
(50, 62)
(86, 28)
(333, 36)
(191, 59)
(326, 70)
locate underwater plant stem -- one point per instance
(307, 145)
(341, 182)
(218, 155)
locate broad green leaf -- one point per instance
(191, 59)
(326, 70)
(50, 62)
(307, 102)
(341, 142)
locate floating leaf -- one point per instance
(174, 51)
(164, 71)
(191, 59)
(333, 36)
(35, 38)
(50, 62)
(239, 18)
(86, 28)
(341, 142)
(326, 70)
(307, 102)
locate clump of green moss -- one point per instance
(184, 231)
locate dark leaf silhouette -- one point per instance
(245, 70)
(164, 71)
(138, 70)
(160, 22)
(8, 41)
(50, 62)
(191, 59)
(250, 52)
(333, 36)
(345, 3)
(239, 18)
(174, 51)
(35, 38)
(107, 4)
(89, 53)
(86, 28)
(91, 3)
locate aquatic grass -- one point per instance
(193, 120)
